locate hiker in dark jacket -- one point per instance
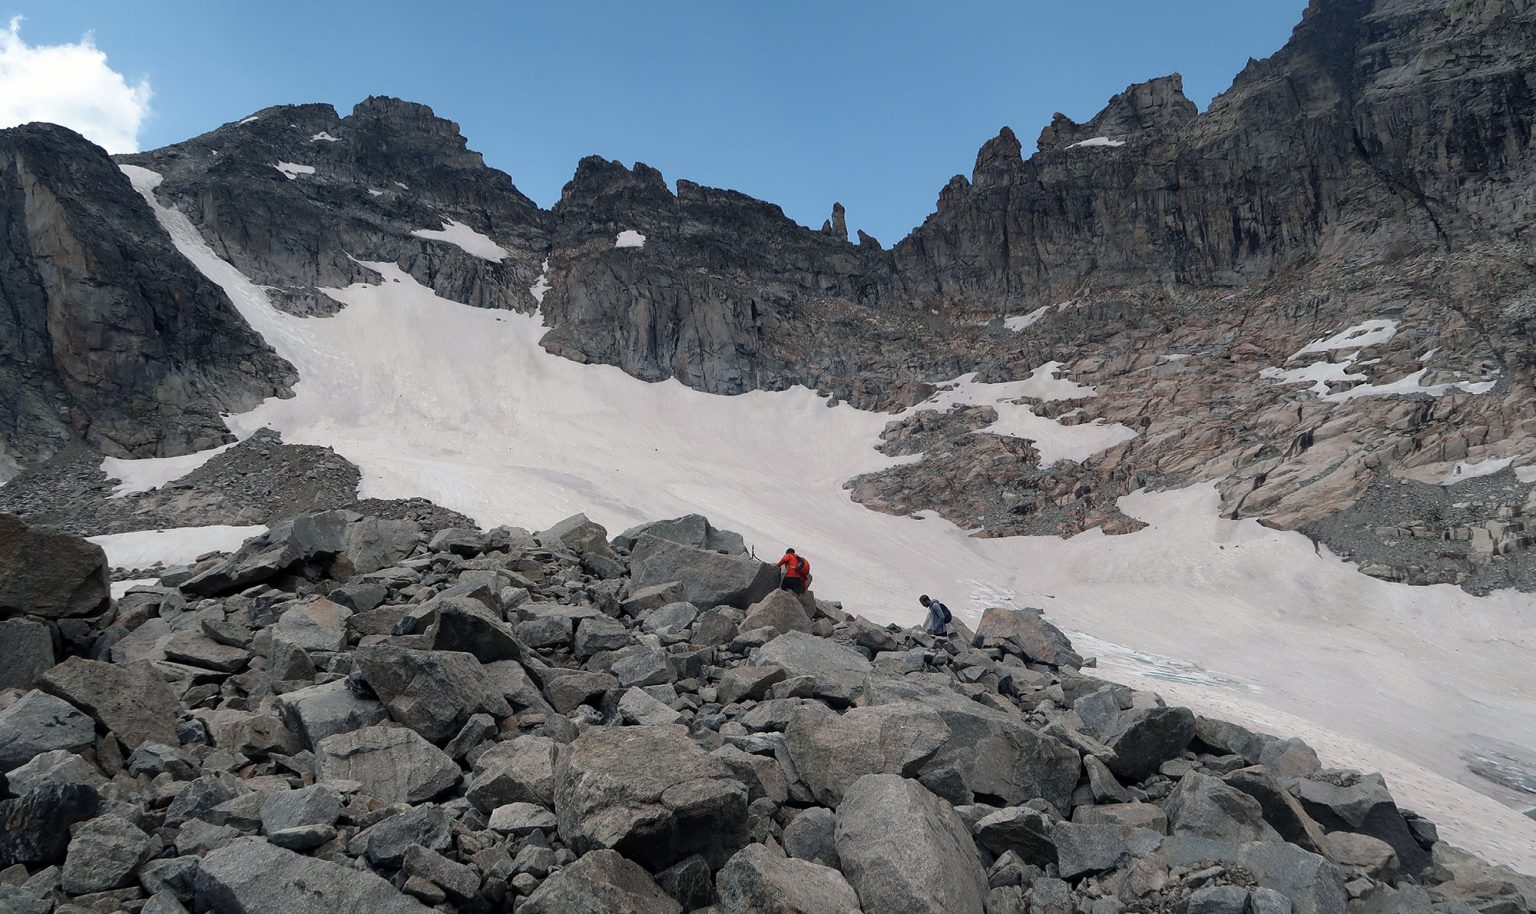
(938, 616)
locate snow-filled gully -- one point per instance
(460, 405)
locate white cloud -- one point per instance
(70, 84)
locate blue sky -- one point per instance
(872, 103)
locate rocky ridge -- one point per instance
(349, 712)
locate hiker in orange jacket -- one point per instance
(797, 572)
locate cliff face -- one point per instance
(107, 334)
(294, 196)
(724, 293)
(1380, 129)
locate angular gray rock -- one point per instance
(51, 575)
(1025, 632)
(26, 652)
(39, 723)
(1361, 803)
(392, 763)
(251, 876)
(467, 625)
(708, 578)
(600, 882)
(520, 770)
(317, 804)
(317, 626)
(37, 825)
(104, 854)
(832, 751)
(905, 851)
(758, 880)
(432, 692)
(649, 793)
(811, 836)
(1147, 738)
(328, 709)
(131, 700)
(1084, 848)
(1206, 807)
(780, 611)
(839, 671)
(428, 826)
(690, 530)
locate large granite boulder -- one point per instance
(432, 692)
(600, 882)
(392, 763)
(250, 876)
(905, 851)
(651, 794)
(831, 751)
(39, 723)
(132, 700)
(757, 880)
(708, 578)
(51, 575)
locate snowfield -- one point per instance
(461, 405)
(465, 239)
(181, 546)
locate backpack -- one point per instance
(944, 612)
(804, 567)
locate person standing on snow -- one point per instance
(938, 616)
(797, 572)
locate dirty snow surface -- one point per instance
(1091, 142)
(460, 405)
(135, 476)
(181, 546)
(466, 239)
(292, 171)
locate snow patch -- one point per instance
(466, 239)
(372, 192)
(1465, 470)
(291, 171)
(1429, 355)
(1026, 321)
(1526, 474)
(1097, 141)
(177, 546)
(401, 185)
(459, 404)
(1359, 336)
(629, 238)
(323, 137)
(1173, 357)
(147, 474)
(248, 120)
(120, 588)
(1055, 442)
(1321, 375)
(1412, 384)
(541, 285)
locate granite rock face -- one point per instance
(109, 336)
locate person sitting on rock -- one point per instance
(797, 572)
(938, 616)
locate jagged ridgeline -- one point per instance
(357, 712)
